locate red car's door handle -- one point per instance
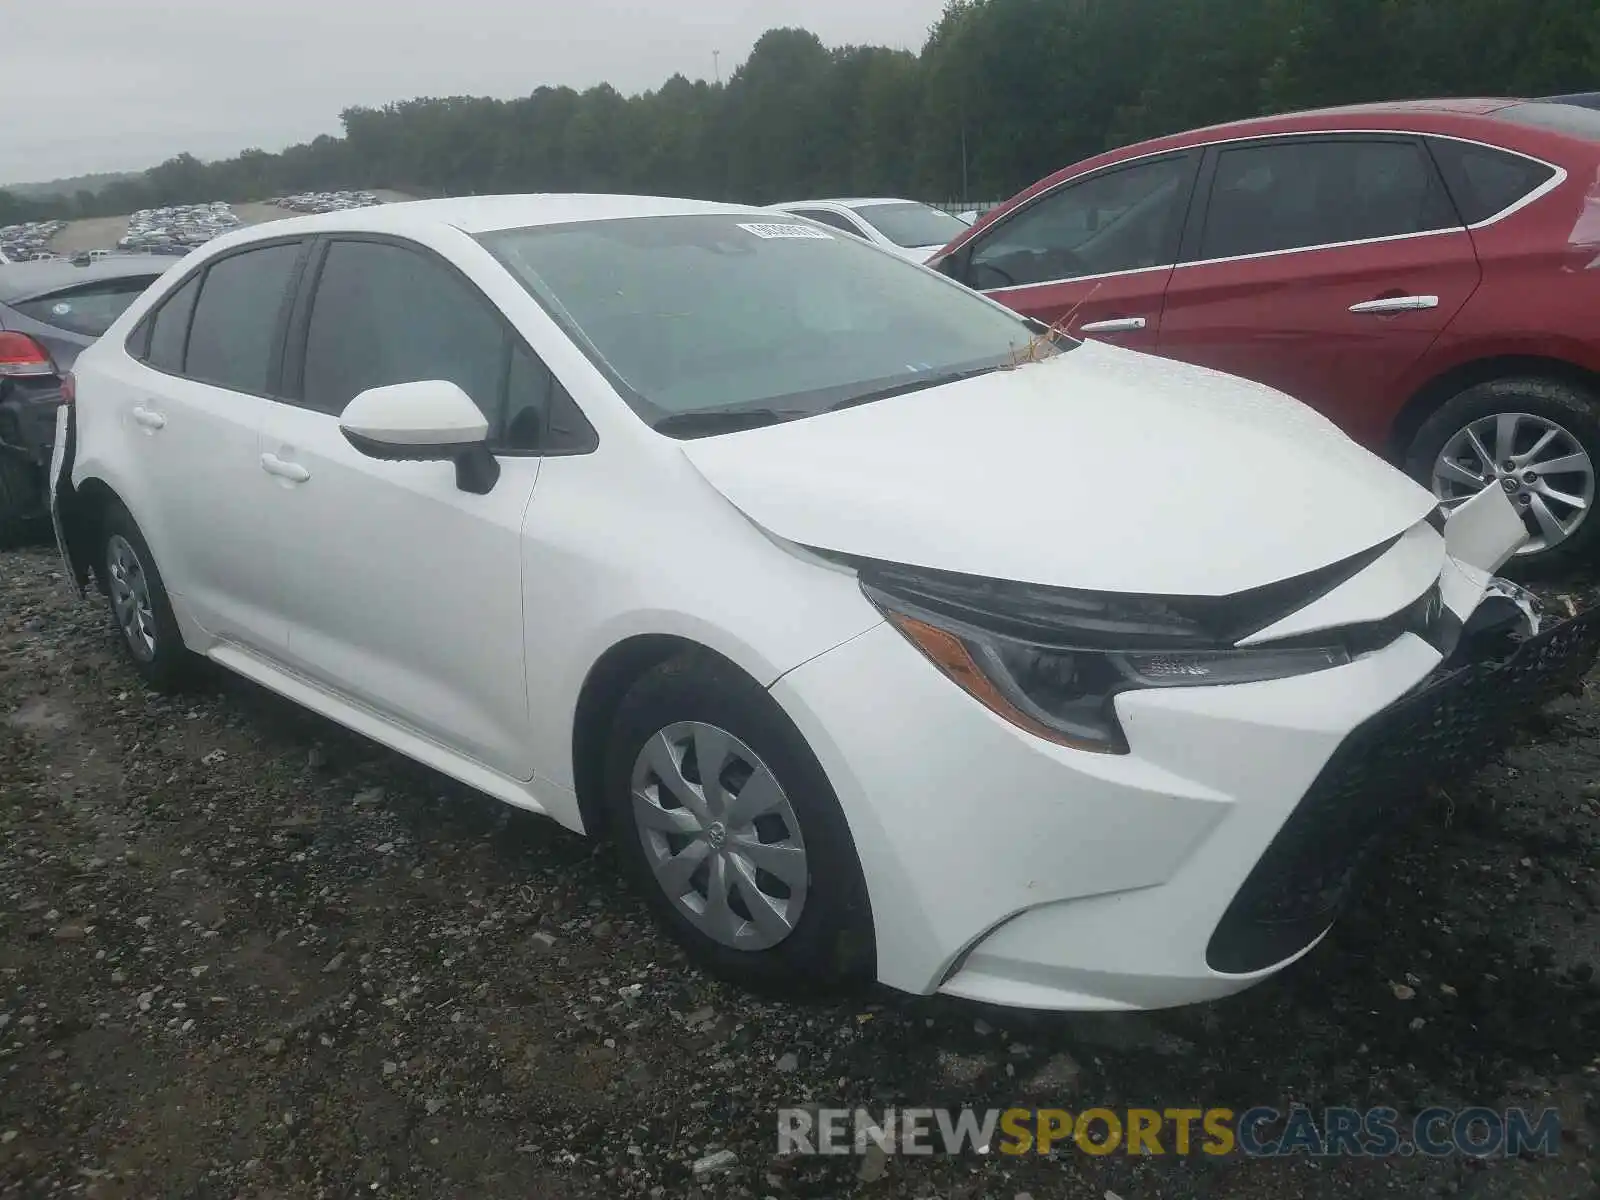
(1115, 325)
(1395, 304)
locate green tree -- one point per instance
(1001, 93)
(776, 106)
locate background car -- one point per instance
(320, 202)
(1421, 272)
(49, 311)
(909, 228)
(177, 228)
(21, 242)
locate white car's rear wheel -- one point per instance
(141, 613)
(128, 586)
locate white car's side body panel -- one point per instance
(762, 606)
(371, 554)
(360, 558)
(270, 673)
(146, 430)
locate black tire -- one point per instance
(830, 948)
(1575, 408)
(169, 665)
(21, 500)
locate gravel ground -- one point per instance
(246, 954)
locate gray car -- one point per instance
(49, 311)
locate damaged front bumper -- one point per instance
(1502, 658)
(1444, 729)
(1007, 869)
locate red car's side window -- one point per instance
(1123, 219)
(1290, 194)
(1483, 181)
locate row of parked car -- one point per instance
(322, 202)
(28, 241)
(178, 228)
(962, 628)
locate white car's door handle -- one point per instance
(293, 472)
(148, 418)
(1395, 304)
(1115, 325)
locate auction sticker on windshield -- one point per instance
(765, 230)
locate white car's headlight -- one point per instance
(1050, 660)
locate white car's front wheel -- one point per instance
(729, 827)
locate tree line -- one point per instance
(1002, 92)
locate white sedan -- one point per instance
(889, 636)
(908, 228)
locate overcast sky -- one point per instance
(118, 85)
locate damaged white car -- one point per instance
(888, 635)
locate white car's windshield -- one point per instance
(911, 224)
(696, 318)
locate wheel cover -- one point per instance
(720, 835)
(1536, 461)
(130, 597)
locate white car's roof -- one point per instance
(847, 201)
(483, 214)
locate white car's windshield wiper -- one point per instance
(730, 419)
(723, 420)
(916, 384)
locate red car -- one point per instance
(1427, 274)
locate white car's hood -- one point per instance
(1102, 469)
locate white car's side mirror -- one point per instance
(431, 420)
